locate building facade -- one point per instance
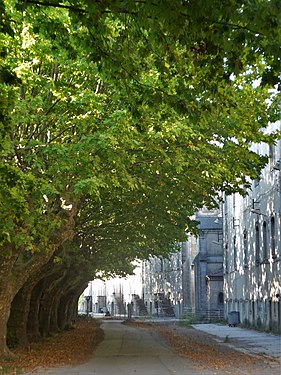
(208, 267)
(252, 247)
(190, 283)
(113, 295)
(163, 287)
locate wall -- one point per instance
(252, 247)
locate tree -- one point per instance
(125, 114)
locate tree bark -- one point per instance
(72, 307)
(20, 309)
(8, 289)
(68, 304)
(47, 302)
(33, 331)
(6, 297)
(17, 332)
(14, 274)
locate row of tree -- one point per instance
(118, 120)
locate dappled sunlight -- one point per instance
(252, 225)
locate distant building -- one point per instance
(191, 281)
(208, 268)
(114, 295)
(162, 288)
(252, 246)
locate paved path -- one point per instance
(127, 350)
(245, 340)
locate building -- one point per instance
(252, 246)
(208, 267)
(114, 295)
(162, 288)
(190, 283)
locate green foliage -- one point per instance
(137, 113)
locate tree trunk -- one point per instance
(8, 289)
(33, 331)
(14, 273)
(6, 297)
(20, 309)
(62, 290)
(48, 300)
(68, 303)
(73, 305)
(17, 330)
(54, 326)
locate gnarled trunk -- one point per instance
(15, 271)
(33, 331)
(17, 332)
(6, 297)
(20, 309)
(67, 309)
(47, 303)
(8, 289)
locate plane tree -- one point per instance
(127, 110)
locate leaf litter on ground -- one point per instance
(207, 353)
(64, 348)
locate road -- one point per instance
(246, 340)
(128, 350)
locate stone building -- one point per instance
(208, 267)
(162, 287)
(114, 295)
(191, 281)
(252, 246)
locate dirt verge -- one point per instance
(206, 353)
(65, 348)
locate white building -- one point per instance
(208, 267)
(252, 246)
(113, 295)
(163, 289)
(190, 283)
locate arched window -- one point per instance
(272, 238)
(220, 298)
(234, 253)
(264, 241)
(245, 247)
(226, 255)
(257, 244)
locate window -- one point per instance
(220, 298)
(272, 239)
(234, 253)
(245, 247)
(257, 244)
(264, 240)
(271, 155)
(226, 258)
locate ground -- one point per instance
(78, 345)
(206, 353)
(65, 348)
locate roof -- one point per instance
(209, 222)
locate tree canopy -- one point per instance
(120, 119)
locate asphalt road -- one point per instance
(128, 350)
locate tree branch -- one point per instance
(55, 5)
